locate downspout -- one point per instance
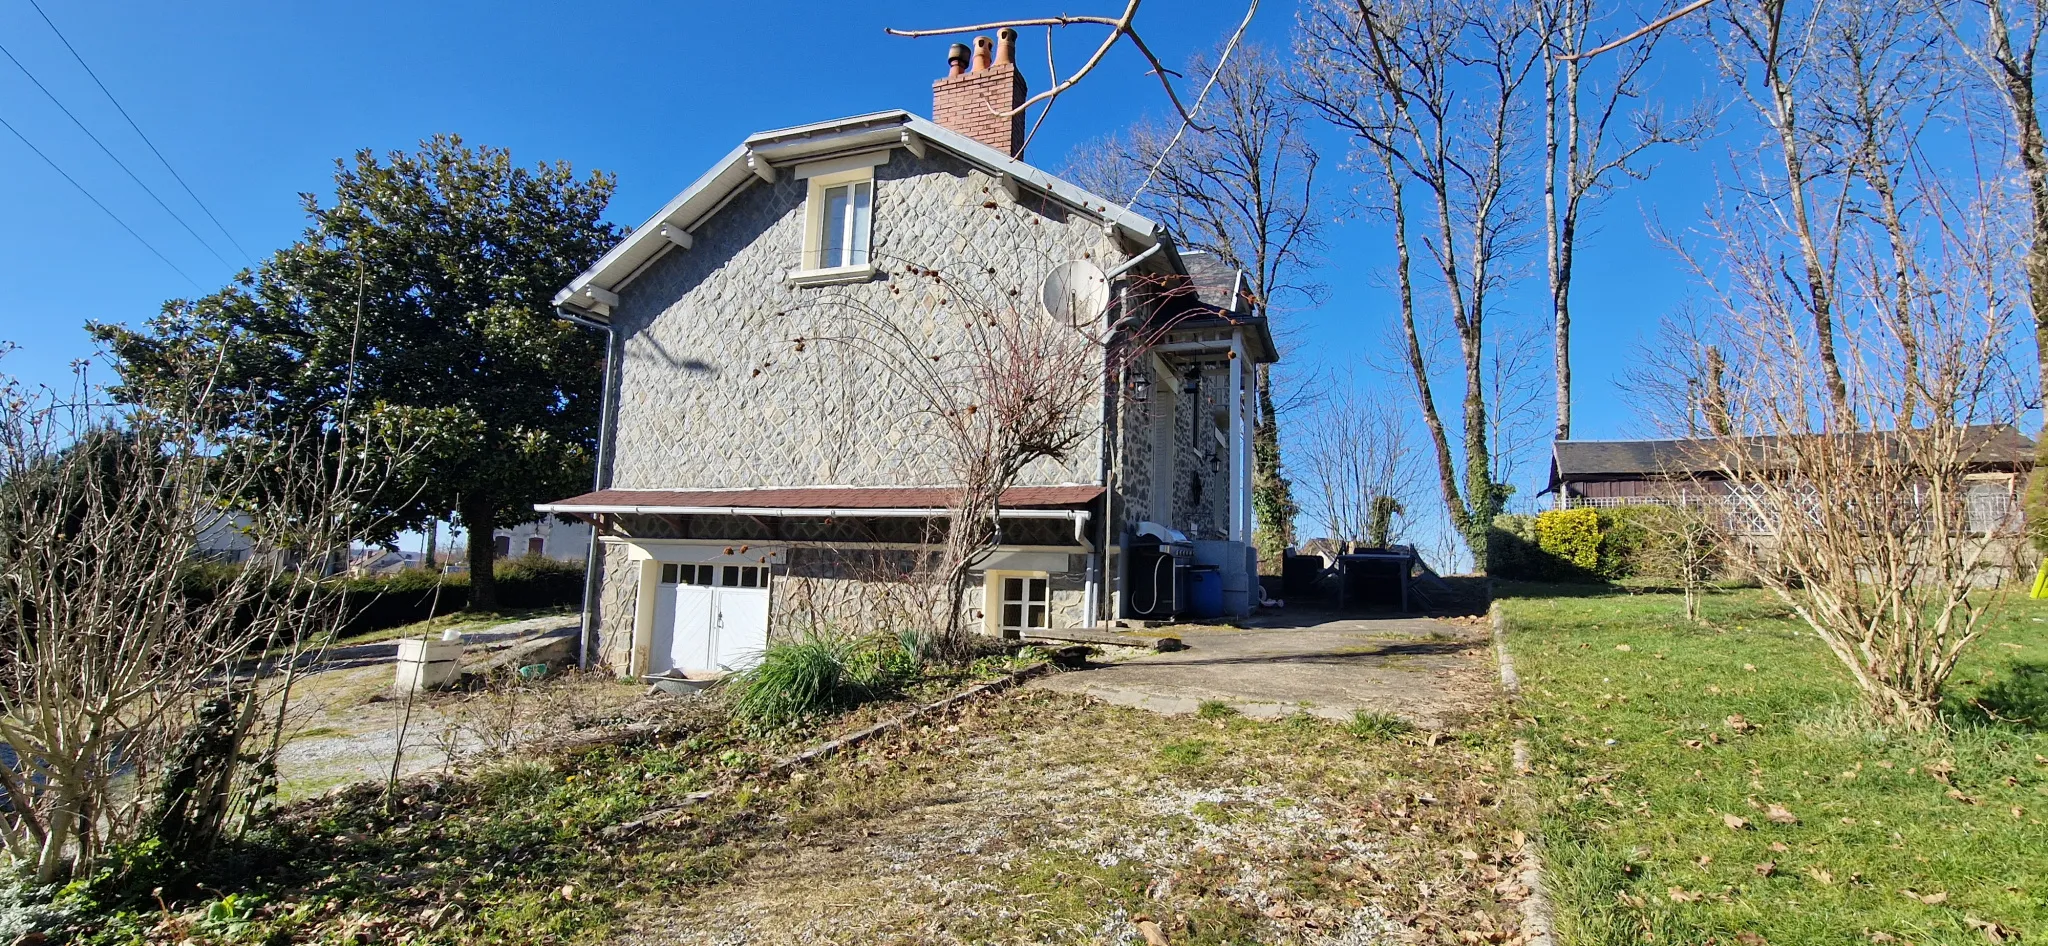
(598, 477)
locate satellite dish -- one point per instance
(1076, 292)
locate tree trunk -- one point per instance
(1561, 319)
(2018, 77)
(1819, 286)
(478, 519)
(1273, 495)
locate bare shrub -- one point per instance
(1857, 375)
(133, 699)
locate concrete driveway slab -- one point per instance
(1431, 673)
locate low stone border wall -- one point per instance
(554, 647)
(667, 815)
(1537, 913)
(852, 739)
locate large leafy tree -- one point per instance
(423, 287)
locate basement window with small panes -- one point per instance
(1023, 606)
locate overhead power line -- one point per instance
(96, 202)
(123, 165)
(180, 178)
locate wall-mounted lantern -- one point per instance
(1141, 388)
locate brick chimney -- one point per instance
(973, 103)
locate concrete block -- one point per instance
(425, 664)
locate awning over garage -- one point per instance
(821, 501)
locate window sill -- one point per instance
(837, 275)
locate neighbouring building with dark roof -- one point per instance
(1616, 472)
(1609, 473)
(744, 481)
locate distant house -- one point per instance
(382, 561)
(741, 480)
(224, 537)
(548, 537)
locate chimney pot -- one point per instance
(1006, 45)
(977, 94)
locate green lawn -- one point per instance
(1663, 751)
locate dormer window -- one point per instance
(843, 235)
(839, 218)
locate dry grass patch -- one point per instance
(1042, 817)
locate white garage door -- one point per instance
(718, 616)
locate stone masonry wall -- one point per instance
(713, 389)
(617, 608)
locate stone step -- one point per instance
(1086, 635)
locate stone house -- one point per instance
(755, 480)
(548, 537)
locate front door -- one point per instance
(742, 616)
(721, 617)
(662, 645)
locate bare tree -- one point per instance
(1680, 377)
(133, 703)
(1359, 466)
(1781, 45)
(1432, 94)
(1682, 546)
(2003, 40)
(1244, 190)
(1589, 143)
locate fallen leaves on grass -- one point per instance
(1779, 814)
(1682, 895)
(1740, 724)
(1993, 931)
(1931, 899)
(1766, 868)
(1735, 822)
(1821, 874)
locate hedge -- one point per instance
(384, 601)
(1578, 545)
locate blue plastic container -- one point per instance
(1205, 592)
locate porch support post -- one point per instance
(1240, 445)
(643, 618)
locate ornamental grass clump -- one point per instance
(821, 673)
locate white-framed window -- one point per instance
(722, 576)
(1019, 602)
(839, 230)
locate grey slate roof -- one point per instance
(2001, 446)
(1216, 282)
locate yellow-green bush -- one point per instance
(1570, 535)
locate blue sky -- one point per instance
(253, 101)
